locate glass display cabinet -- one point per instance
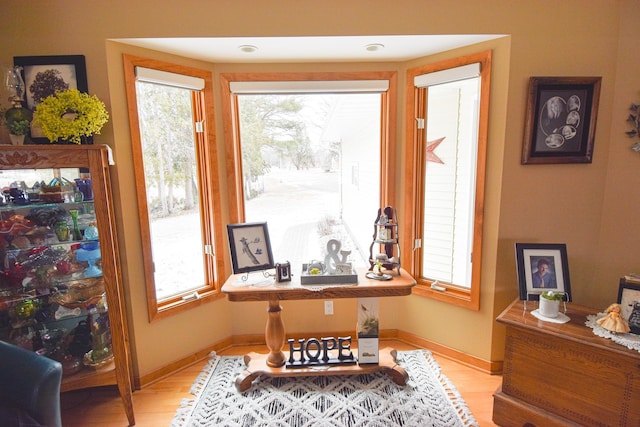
(60, 281)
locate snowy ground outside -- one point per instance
(292, 204)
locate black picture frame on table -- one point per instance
(530, 256)
(250, 247)
(52, 73)
(629, 300)
(560, 121)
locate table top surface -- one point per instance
(260, 288)
(575, 329)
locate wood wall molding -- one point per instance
(489, 367)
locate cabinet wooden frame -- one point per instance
(96, 159)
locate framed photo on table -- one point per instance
(44, 75)
(560, 122)
(250, 247)
(542, 267)
(629, 300)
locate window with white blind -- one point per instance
(170, 111)
(450, 102)
(452, 114)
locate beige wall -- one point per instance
(592, 208)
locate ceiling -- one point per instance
(309, 49)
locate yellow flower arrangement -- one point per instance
(70, 115)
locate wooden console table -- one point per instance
(564, 374)
(272, 364)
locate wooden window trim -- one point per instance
(414, 156)
(211, 214)
(232, 130)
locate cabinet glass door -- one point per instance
(52, 293)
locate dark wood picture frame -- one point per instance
(629, 300)
(250, 247)
(560, 122)
(68, 70)
(530, 257)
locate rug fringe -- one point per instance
(466, 417)
(183, 413)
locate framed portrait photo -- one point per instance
(560, 121)
(629, 300)
(542, 267)
(44, 75)
(250, 247)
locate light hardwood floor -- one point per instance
(156, 404)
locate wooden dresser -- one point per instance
(563, 374)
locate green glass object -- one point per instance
(62, 230)
(18, 118)
(18, 115)
(77, 234)
(25, 309)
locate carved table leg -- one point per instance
(274, 335)
(244, 380)
(397, 373)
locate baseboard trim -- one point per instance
(177, 365)
(486, 366)
(489, 367)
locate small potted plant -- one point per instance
(377, 267)
(550, 303)
(18, 129)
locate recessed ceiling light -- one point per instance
(248, 48)
(373, 47)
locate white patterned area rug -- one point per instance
(428, 399)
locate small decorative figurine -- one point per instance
(613, 322)
(283, 272)
(335, 255)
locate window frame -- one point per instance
(232, 129)
(414, 179)
(209, 193)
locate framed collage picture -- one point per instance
(560, 121)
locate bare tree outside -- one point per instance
(298, 153)
(166, 129)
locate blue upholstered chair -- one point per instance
(29, 388)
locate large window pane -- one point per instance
(170, 171)
(311, 169)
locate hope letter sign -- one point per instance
(313, 352)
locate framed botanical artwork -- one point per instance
(250, 247)
(560, 122)
(44, 75)
(542, 267)
(629, 300)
